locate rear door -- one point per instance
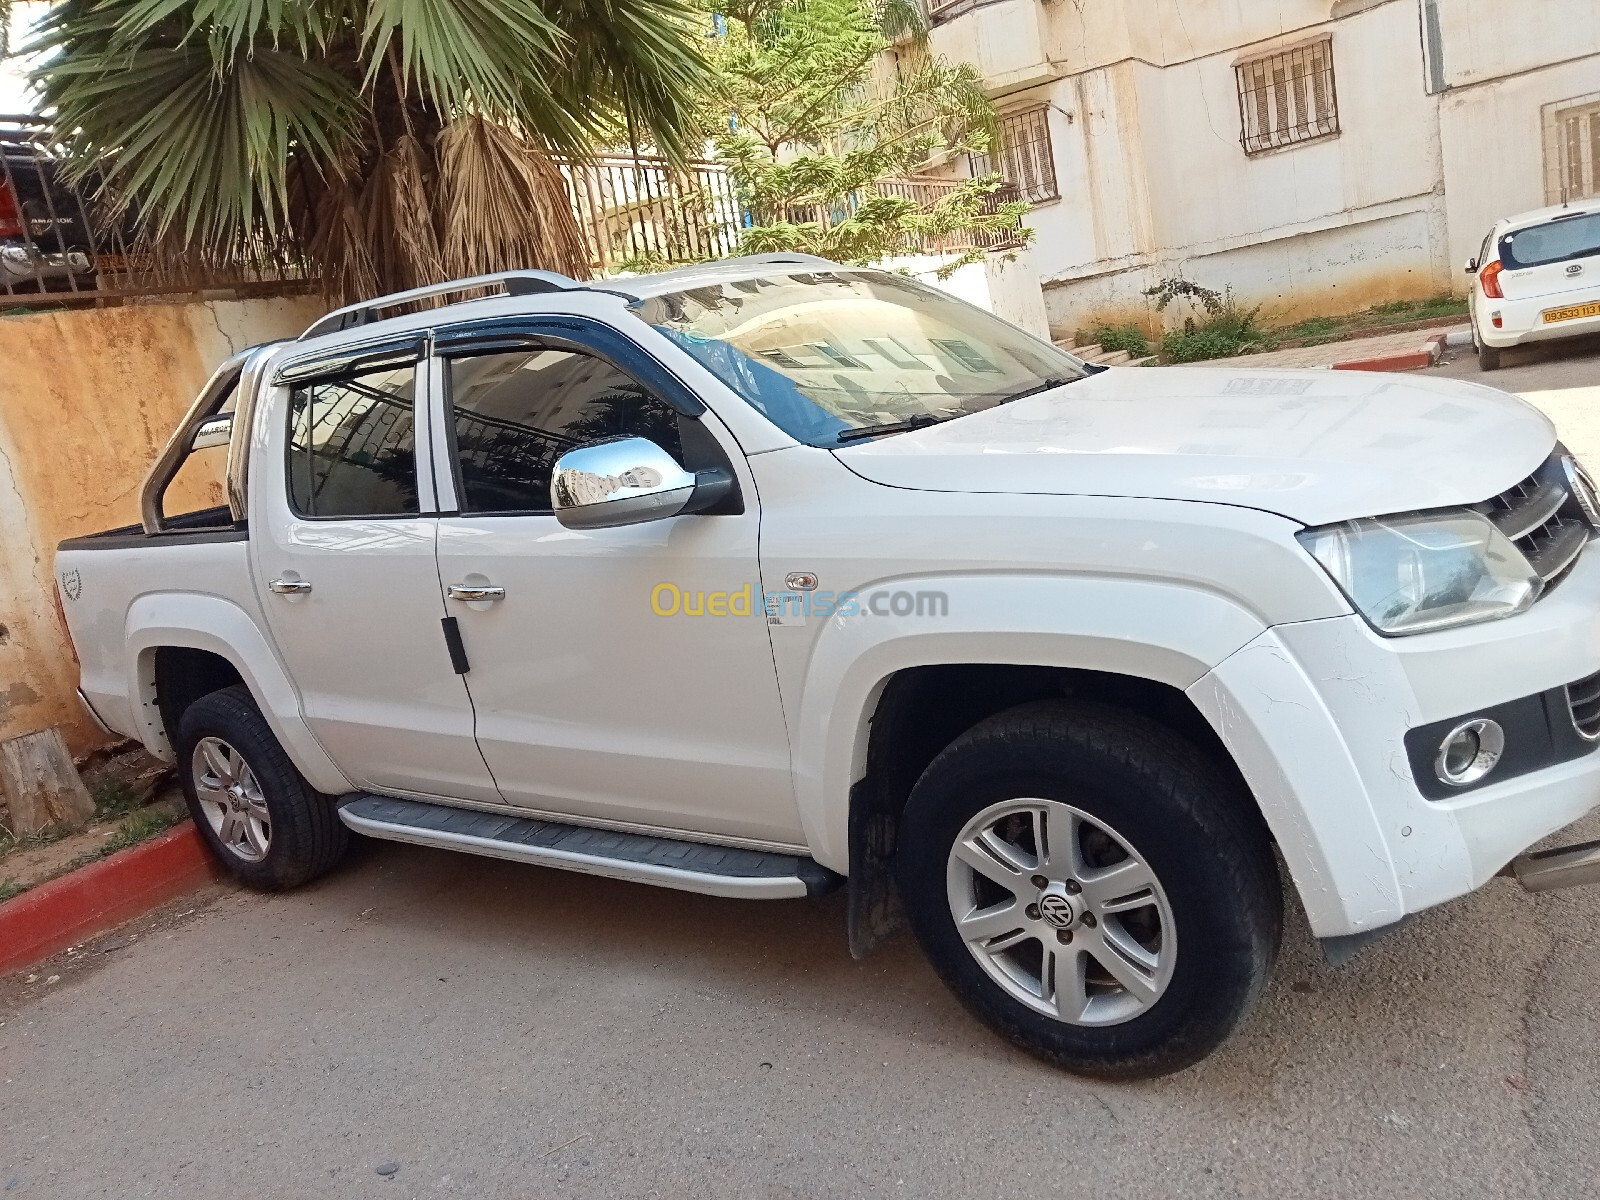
(343, 539)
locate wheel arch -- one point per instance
(182, 647)
(923, 709)
(1163, 632)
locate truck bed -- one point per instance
(135, 590)
(206, 525)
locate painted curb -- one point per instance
(1413, 360)
(47, 919)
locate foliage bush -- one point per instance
(1217, 326)
(808, 125)
(1117, 337)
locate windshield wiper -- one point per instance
(1042, 386)
(920, 421)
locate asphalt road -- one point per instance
(507, 1031)
(504, 1031)
(1563, 378)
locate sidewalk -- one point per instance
(1403, 351)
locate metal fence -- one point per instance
(58, 246)
(642, 213)
(1023, 155)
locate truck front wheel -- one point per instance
(1091, 887)
(258, 814)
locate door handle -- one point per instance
(462, 591)
(290, 587)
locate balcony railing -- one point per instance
(641, 213)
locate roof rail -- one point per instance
(775, 258)
(515, 283)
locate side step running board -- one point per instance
(665, 862)
(1548, 870)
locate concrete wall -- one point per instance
(87, 400)
(1491, 136)
(1502, 65)
(1004, 284)
(1144, 118)
(1442, 132)
(1485, 40)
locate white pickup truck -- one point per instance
(771, 575)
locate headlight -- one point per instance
(1430, 571)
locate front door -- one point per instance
(596, 695)
(343, 548)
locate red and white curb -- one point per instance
(47, 919)
(1426, 354)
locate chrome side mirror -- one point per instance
(622, 482)
(213, 432)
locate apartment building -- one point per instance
(1314, 155)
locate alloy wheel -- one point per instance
(1062, 912)
(230, 796)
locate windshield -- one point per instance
(1559, 240)
(825, 353)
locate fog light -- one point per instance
(1469, 752)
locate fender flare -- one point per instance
(1164, 632)
(203, 622)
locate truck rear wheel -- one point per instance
(1092, 888)
(258, 814)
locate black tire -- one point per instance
(1488, 358)
(1187, 818)
(307, 839)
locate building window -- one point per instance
(1022, 155)
(1572, 149)
(1287, 97)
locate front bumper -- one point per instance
(1316, 715)
(23, 264)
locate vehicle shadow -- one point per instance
(1434, 996)
(1535, 353)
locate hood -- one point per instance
(1314, 446)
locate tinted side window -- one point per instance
(351, 448)
(516, 413)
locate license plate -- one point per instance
(1552, 315)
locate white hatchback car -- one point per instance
(1536, 278)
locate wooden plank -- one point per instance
(42, 786)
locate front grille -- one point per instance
(1583, 698)
(1545, 520)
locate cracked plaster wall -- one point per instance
(87, 400)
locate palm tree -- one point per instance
(393, 142)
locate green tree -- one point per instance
(817, 101)
(395, 142)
